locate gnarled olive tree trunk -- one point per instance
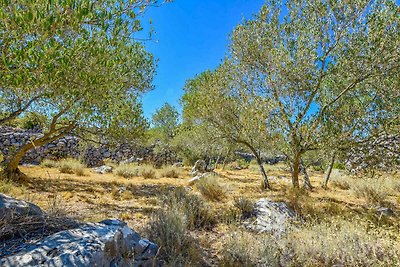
(296, 170)
(12, 171)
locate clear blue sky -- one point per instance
(191, 37)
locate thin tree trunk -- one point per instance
(208, 167)
(307, 183)
(296, 171)
(224, 162)
(265, 183)
(329, 171)
(217, 161)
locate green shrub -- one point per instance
(373, 191)
(211, 189)
(71, 166)
(339, 166)
(48, 163)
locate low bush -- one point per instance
(211, 189)
(238, 165)
(71, 166)
(133, 170)
(374, 191)
(8, 187)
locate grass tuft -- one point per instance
(211, 189)
(71, 166)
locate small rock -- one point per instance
(384, 211)
(103, 169)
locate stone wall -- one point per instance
(12, 139)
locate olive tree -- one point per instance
(311, 57)
(226, 104)
(78, 63)
(166, 120)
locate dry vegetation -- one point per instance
(201, 225)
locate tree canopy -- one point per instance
(76, 61)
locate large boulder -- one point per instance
(273, 217)
(13, 207)
(108, 243)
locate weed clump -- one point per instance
(245, 206)
(169, 227)
(211, 189)
(127, 170)
(171, 172)
(71, 166)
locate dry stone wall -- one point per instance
(11, 139)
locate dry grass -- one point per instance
(374, 191)
(198, 214)
(127, 170)
(71, 166)
(170, 172)
(48, 163)
(340, 180)
(208, 224)
(343, 243)
(19, 229)
(148, 173)
(245, 205)
(134, 170)
(211, 188)
(248, 249)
